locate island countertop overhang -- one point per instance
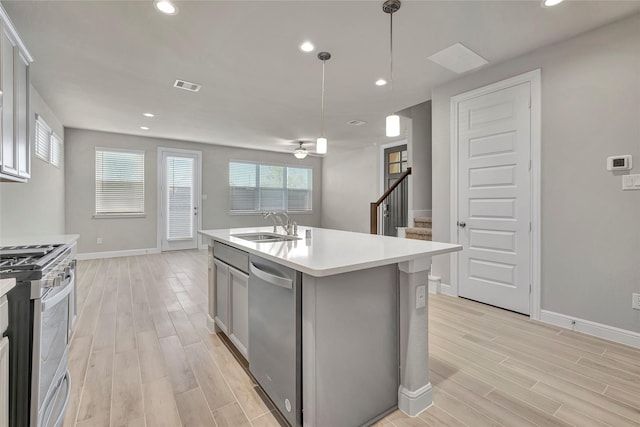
(329, 252)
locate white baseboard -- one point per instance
(446, 289)
(402, 232)
(116, 254)
(588, 327)
(434, 284)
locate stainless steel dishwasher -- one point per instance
(275, 334)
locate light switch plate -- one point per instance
(631, 182)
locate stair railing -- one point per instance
(374, 205)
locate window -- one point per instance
(48, 146)
(119, 182)
(259, 187)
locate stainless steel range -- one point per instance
(41, 311)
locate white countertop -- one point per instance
(60, 239)
(331, 252)
(6, 285)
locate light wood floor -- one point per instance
(141, 356)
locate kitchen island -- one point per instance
(358, 311)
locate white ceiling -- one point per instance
(101, 64)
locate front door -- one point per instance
(494, 146)
(180, 199)
(395, 207)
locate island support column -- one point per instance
(415, 393)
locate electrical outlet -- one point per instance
(99, 241)
(635, 303)
(421, 296)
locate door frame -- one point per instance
(160, 195)
(381, 166)
(534, 79)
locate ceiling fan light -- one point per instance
(393, 125)
(321, 145)
(300, 153)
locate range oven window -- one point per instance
(54, 337)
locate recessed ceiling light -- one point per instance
(356, 122)
(144, 128)
(148, 114)
(307, 47)
(381, 82)
(166, 7)
(551, 3)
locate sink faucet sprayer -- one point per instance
(289, 227)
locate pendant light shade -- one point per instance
(393, 125)
(393, 120)
(321, 145)
(321, 142)
(300, 152)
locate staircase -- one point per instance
(421, 229)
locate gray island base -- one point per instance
(358, 346)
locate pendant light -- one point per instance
(300, 152)
(321, 142)
(393, 120)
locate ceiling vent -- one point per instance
(458, 58)
(356, 122)
(192, 87)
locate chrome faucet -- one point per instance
(289, 227)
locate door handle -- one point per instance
(462, 224)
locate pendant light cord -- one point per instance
(322, 101)
(393, 107)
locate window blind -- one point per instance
(180, 198)
(258, 187)
(42, 139)
(119, 182)
(56, 150)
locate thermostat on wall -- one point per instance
(619, 163)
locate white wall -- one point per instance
(420, 116)
(35, 207)
(141, 233)
(590, 227)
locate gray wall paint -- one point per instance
(420, 116)
(350, 181)
(35, 207)
(590, 227)
(141, 233)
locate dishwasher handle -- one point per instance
(271, 279)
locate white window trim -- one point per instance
(144, 183)
(285, 165)
(52, 140)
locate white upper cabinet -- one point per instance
(15, 152)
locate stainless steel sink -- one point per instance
(265, 237)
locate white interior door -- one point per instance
(494, 187)
(180, 199)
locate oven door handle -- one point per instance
(48, 302)
(67, 378)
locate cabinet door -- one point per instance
(4, 382)
(9, 165)
(221, 271)
(21, 94)
(239, 285)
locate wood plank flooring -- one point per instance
(141, 356)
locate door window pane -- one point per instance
(394, 157)
(180, 198)
(394, 168)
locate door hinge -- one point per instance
(529, 164)
(529, 102)
(529, 288)
(530, 227)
